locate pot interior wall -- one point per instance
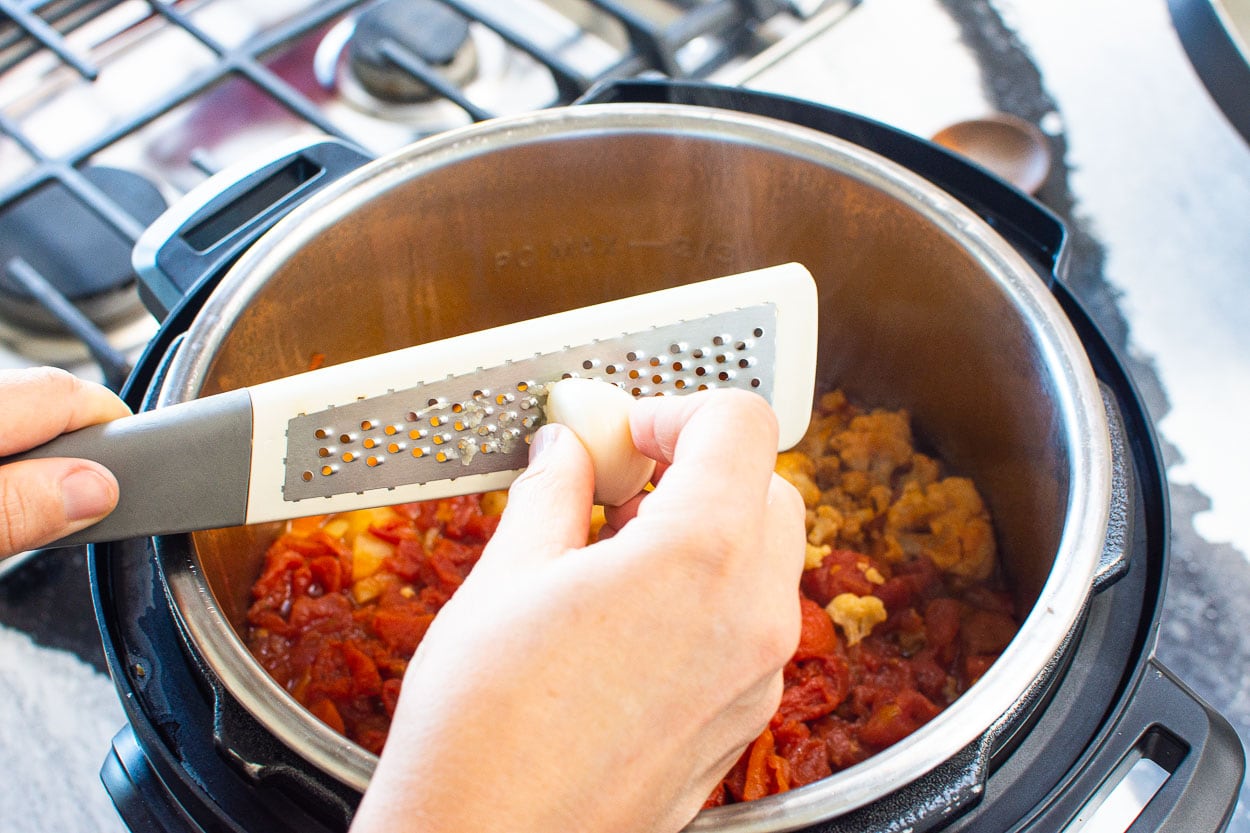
(908, 318)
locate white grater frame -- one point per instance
(788, 287)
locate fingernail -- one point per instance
(86, 494)
(543, 439)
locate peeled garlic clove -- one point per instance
(598, 413)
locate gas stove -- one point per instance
(112, 110)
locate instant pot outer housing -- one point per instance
(923, 306)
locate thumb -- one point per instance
(43, 500)
(548, 511)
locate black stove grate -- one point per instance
(653, 47)
(42, 25)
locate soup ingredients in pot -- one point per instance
(344, 600)
(903, 608)
(901, 602)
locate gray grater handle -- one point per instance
(178, 468)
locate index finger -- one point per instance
(720, 446)
(45, 402)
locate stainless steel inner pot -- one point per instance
(922, 306)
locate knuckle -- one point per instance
(53, 381)
(780, 638)
(788, 496)
(15, 514)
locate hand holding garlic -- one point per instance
(598, 413)
(559, 665)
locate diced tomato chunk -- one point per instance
(816, 635)
(342, 646)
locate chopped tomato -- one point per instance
(341, 644)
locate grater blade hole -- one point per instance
(755, 383)
(345, 438)
(306, 476)
(757, 332)
(321, 433)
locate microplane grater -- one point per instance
(354, 435)
(482, 421)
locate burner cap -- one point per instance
(428, 29)
(81, 255)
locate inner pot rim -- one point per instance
(1043, 635)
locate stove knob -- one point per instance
(428, 31)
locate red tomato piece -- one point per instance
(817, 635)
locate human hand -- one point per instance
(43, 500)
(606, 687)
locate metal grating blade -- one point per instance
(481, 422)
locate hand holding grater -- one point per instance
(446, 418)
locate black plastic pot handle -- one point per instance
(1031, 228)
(208, 228)
(135, 789)
(1114, 561)
(1201, 792)
(266, 761)
(1167, 723)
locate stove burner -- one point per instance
(83, 257)
(396, 41)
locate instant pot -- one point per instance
(941, 291)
